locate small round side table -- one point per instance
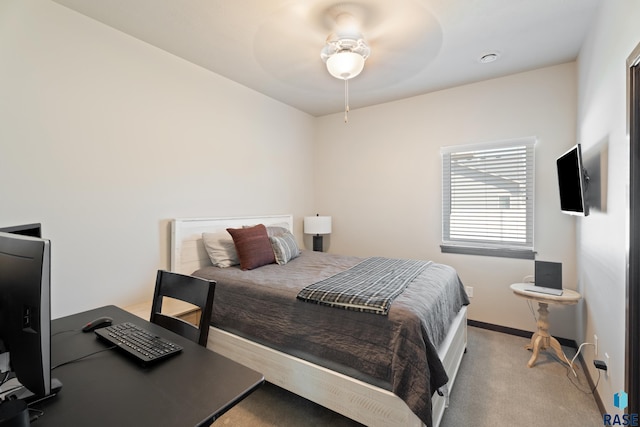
(541, 340)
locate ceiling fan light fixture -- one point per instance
(345, 58)
(345, 65)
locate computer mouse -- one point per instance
(100, 322)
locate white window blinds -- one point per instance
(487, 198)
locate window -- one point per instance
(487, 198)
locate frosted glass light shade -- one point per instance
(317, 225)
(345, 65)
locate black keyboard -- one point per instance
(138, 342)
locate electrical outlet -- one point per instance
(469, 290)
(595, 341)
(599, 364)
(608, 362)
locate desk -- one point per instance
(541, 340)
(192, 388)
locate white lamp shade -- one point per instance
(345, 65)
(317, 225)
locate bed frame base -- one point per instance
(355, 399)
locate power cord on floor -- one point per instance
(578, 387)
(576, 356)
(575, 375)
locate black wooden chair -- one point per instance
(194, 290)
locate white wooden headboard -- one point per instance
(187, 251)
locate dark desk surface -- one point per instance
(111, 389)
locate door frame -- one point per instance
(632, 303)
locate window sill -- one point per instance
(495, 252)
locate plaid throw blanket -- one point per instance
(369, 286)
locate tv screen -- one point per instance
(572, 182)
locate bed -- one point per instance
(337, 381)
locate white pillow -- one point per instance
(220, 249)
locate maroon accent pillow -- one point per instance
(253, 246)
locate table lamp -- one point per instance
(317, 225)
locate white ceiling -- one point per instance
(417, 46)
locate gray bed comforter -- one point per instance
(397, 352)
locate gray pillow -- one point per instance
(284, 247)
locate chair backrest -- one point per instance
(191, 289)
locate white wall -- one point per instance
(104, 138)
(602, 122)
(380, 178)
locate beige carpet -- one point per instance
(494, 388)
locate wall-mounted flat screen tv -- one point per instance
(573, 182)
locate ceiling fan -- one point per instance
(396, 39)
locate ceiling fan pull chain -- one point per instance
(346, 100)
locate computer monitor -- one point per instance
(34, 229)
(25, 313)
